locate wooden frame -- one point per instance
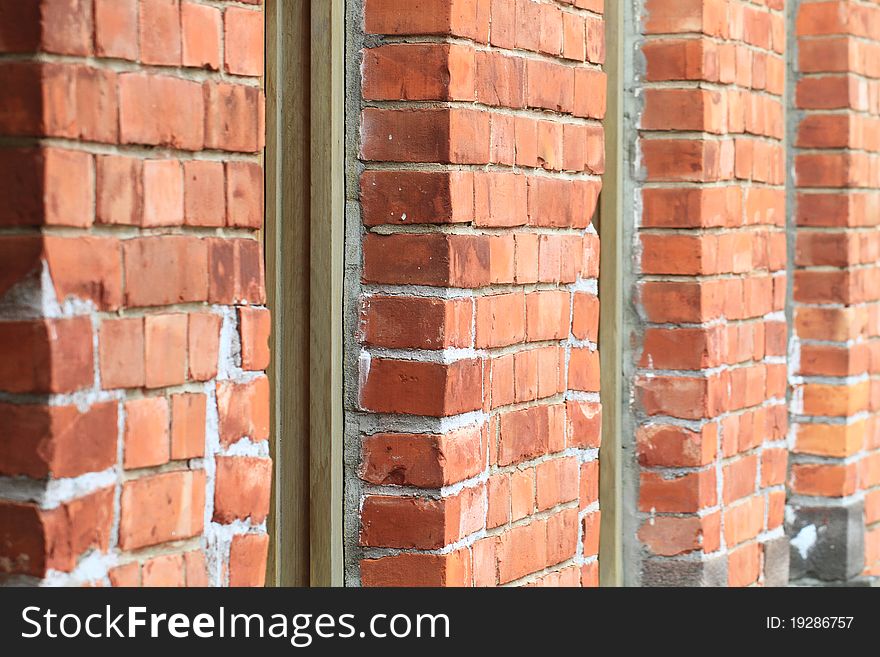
(611, 295)
(304, 251)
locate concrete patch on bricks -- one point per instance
(828, 541)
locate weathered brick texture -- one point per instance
(132, 329)
(709, 395)
(476, 416)
(835, 474)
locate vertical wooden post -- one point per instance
(304, 233)
(611, 308)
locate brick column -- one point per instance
(708, 328)
(835, 474)
(473, 408)
(133, 336)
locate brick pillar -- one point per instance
(835, 474)
(133, 336)
(473, 408)
(708, 328)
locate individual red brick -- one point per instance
(159, 33)
(547, 315)
(243, 41)
(525, 434)
(740, 478)
(120, 190)
(584, 423)
(164, 270)
(418, 72)
(674, 446)
(423, 460)
(165, 350)
(550, 86)
(500, 199)
(255, 324)
(128, 575)
(204, 192)
(69, 181)
(774, 468)
(59, 440)
(85, 268)
(591, 526)
(450, 569)
(835, 401)
(203, 345)
(116, 29)
(470, 20)
(522, 493)
(743, 521)
(485, 562)
(164, 571)
(522, 550)
(47, 356)
(500, 80)
(121, 353)
(67, 26)
(588, 488)
(744, 565)
(421, 260)
(201, 29)
(163, 193)
(97, 105)
(416, 322)
(242, 489)
(24, 113)
(160, 110)
(21, 256)
(669, 536)
(250, 282)
(21, 27)
(826, 480)
(196, 569)
(232, 117)
(146, 432)
(32, 540)
(22, 174)
(684, 397)
(837, 440)
(682, 348)
(416, 197)
(244, 194)
(589, 94)
(456, 136)
(420, 388)
(583, 371)
(697, 110)
(188, 415)
(499, 501)
(500, 320)
(557, 482)
(162, 507)
(243, 410)
(688, 160)
(247, 559)
(414, 522)
(684, 494)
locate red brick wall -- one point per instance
(132, 328)
(477, 407)
(710, 269)
(835, 474)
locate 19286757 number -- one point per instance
(821, 622)
(810, 622)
